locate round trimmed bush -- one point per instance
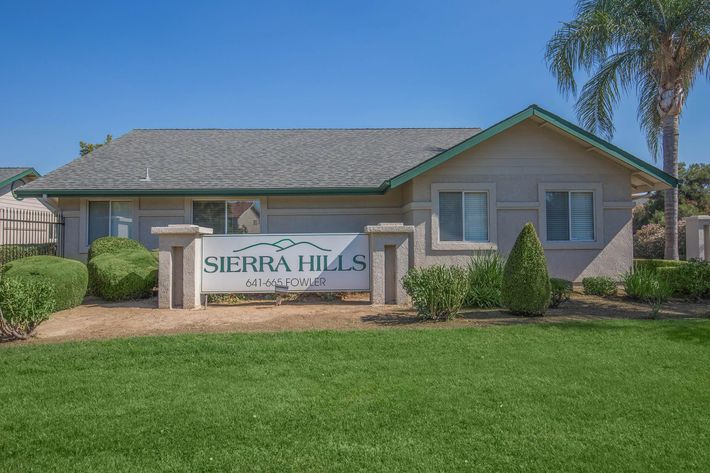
(526, 282)
(111, 244)
(68, 277)
(123, 275)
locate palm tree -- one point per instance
(657, 48)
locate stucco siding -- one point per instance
(520, 162)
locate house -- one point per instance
(11, 179)
(27, 220)
(463, 190)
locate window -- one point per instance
(227, 216)
(463, 216)
(109, 218)
(570, 215)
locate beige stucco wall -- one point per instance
(518, 162)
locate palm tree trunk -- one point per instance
(670, 165)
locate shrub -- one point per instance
(437, 292)
(526, 283)
(650, 240)
(485, 281)
(599, 286)
(560, 289)
(111, 244)
(123, 275)
(654, 264)
(647, 286)
(690, 280)
(24, 304)
(68, 277)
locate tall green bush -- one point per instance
(24, 304)
(437, 292)
(111, 244)
(123, 275)
(68, 277)
(526, 282)
(485, 281)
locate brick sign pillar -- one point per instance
(697, 237)
(389, 261)
(180, 250)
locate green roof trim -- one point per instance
(396, 181)
(537, 111)
(207, 192)
(26, 172)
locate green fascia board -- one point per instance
(26, 172)
(202, 192)
(534, 110)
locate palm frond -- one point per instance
(595, 107)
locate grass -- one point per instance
(605, 396)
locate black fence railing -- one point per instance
(26, 232)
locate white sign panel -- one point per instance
(306, 262)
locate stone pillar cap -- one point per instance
(181, 229)
(389, 228)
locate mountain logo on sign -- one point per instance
(282, 245)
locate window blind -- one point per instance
(582, 215)
(450, 216)
(475, 216)
(557, 210)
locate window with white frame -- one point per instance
(570, 215)
(227, 216)
(463, 216)
(110, 218)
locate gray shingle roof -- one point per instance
(215, 159)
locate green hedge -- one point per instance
(526, 282)
(603, 286)
(109, 244)
(654, 264)
(690, 280)
(123, 275)
(68, 277)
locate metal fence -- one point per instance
(29, 233)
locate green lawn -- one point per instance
(597, 397)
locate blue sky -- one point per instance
(75, 70)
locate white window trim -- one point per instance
(263, 217)
(490, 189)
(84, 218)
(596, 189)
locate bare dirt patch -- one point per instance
(96, 319)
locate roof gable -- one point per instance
(9, 175)
(550, 118)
